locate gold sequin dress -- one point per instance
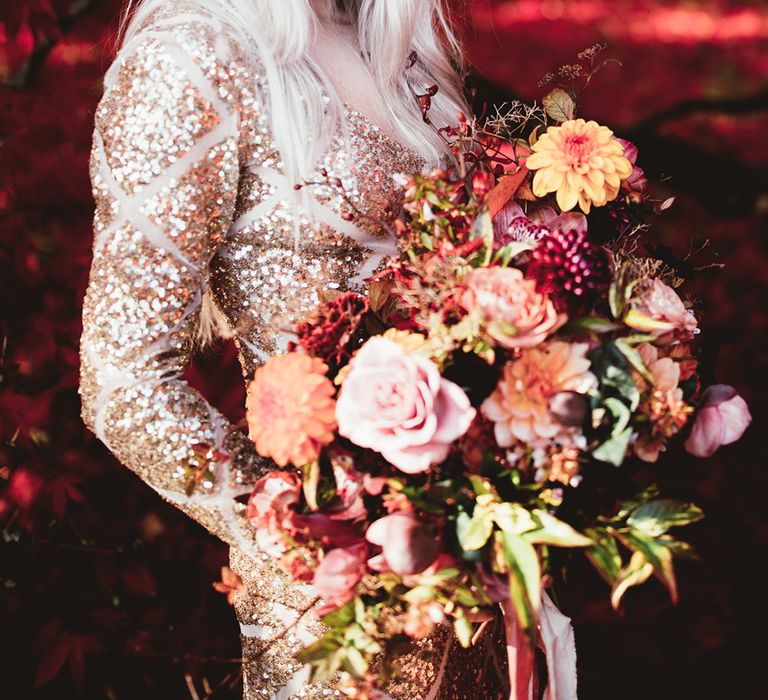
(193, 208)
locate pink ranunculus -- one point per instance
(722, 418)
(399, 405)
(269, 509)
(338, 573)
(517, 316)
(408, 545)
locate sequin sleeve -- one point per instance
(164, 171)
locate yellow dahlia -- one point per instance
(291, 409)
(582, 162)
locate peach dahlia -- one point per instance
(519, 407)
(291, 409)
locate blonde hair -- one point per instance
(278, 35)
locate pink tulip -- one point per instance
(408, 546)
(722, 418)
(339, 572)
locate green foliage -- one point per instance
(656, 517)
(641, 526)
(604, 554)
(524, 580)
(617, 397)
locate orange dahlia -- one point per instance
(582, 162)
(291, 409)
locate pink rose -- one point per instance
(338, 573)
(399, 405)
(517, 316)
(659, 310)
(269, 509)
(408, 546)
(722, 418)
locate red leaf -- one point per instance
(52, 660)
(230, 583)
(505, 190)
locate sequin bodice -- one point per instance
(193, 213)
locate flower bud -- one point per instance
(568, 407)
(408, 546)
(722, 418)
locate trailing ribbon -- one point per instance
(557, 639)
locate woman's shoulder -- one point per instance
(196, 29)
(178, 77)
(183, 47)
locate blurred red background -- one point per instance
(105, 591)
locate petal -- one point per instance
(736, 419)
(567, 198)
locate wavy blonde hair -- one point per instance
(278, 34)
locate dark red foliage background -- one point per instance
(105, 591)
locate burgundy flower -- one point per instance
(573, 270)
(329, 334)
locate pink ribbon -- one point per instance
(557, 639)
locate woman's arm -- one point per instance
(164, 171)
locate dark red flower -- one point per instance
(329, 334)
(573, 270)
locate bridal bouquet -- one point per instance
(449, 441)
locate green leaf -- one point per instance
(465, 597)
(505, 254)
(634, 359)
(590, 324)
(321, 649)
(619, 380)
(620, 414)
(310, 480)
(464, 631)
(559, 105)
(440, 576)
(426, 240)
(614, 449)
(636, 572)
(610, 366)
(481, 485)
(354, 663)
(604, 555)
(555, 532)
(483, 228)
(473, 532)
(524, 580)
(420, 593)
(360, 611)
(341, 617)
(659, 556)
(513, 518)
(656, 517)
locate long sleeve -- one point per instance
(164, 171)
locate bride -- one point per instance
(213, 111)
